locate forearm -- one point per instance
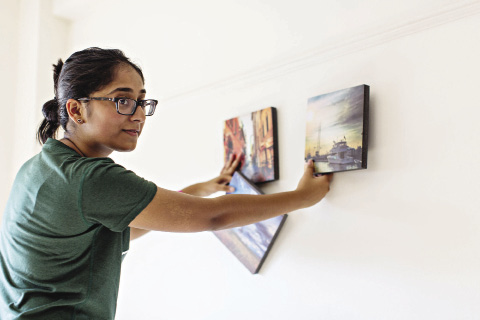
(204, 189)
(239, 210)
(180, 212)
(194, 190)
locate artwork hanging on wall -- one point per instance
(254, 135)
(251, 243)
(337, 130)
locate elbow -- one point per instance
(218, 223)
(214, 225)
(213, 215)
(221, 218)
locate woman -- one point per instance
(72, 211)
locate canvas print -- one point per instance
(337, 129)
(254, 135)
(250, 244)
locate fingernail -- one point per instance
(231, 189)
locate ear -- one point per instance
(76, 111)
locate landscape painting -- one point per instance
(255, 136)
(251, 243)
(337, 130)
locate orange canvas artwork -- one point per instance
(255, 136)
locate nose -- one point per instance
(139, 115)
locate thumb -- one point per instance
(225, 188)
(309, 168)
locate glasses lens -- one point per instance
(126, 106)
(149, 107)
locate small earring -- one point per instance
(79, 120)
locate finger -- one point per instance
(229, 164)
(223, 179)
(309, 167)
(327, 179)
(227, 189)
(229, 160)
(238, 162)
(223, 187)
(329, 176)
(234, 166)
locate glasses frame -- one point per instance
(137, 103)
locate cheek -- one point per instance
(106, 124)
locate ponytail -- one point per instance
(48, 127)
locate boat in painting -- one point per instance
(341, 153)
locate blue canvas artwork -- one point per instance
(251, 243)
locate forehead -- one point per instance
(125, 77)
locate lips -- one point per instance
(132, 132)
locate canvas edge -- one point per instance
(276, 164)
(366, 122)
(252, 270)
(264, 257)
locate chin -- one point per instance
(126, 148)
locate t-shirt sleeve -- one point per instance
(112, 195)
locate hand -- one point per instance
(313, 188)
(233, 163)
(219, 183)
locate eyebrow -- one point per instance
(127, 90)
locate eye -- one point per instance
(123, 101)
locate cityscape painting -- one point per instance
(251, 243)
(255, 136)
(337, 130)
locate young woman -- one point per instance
(72, 211)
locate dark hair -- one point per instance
(82, 73)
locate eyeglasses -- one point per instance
(128, 106)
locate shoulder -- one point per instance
(96, 165)
(88, 172)
(67, 160)
(105, 173)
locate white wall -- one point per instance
(399, 240)
(8, 25)
(32, 40)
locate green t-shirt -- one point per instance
(64, 234)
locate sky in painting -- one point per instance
(333, 116)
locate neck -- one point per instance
(72, 145)
(85, 150)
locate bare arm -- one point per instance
(202, 189)
(179, 212)
(136, 233)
